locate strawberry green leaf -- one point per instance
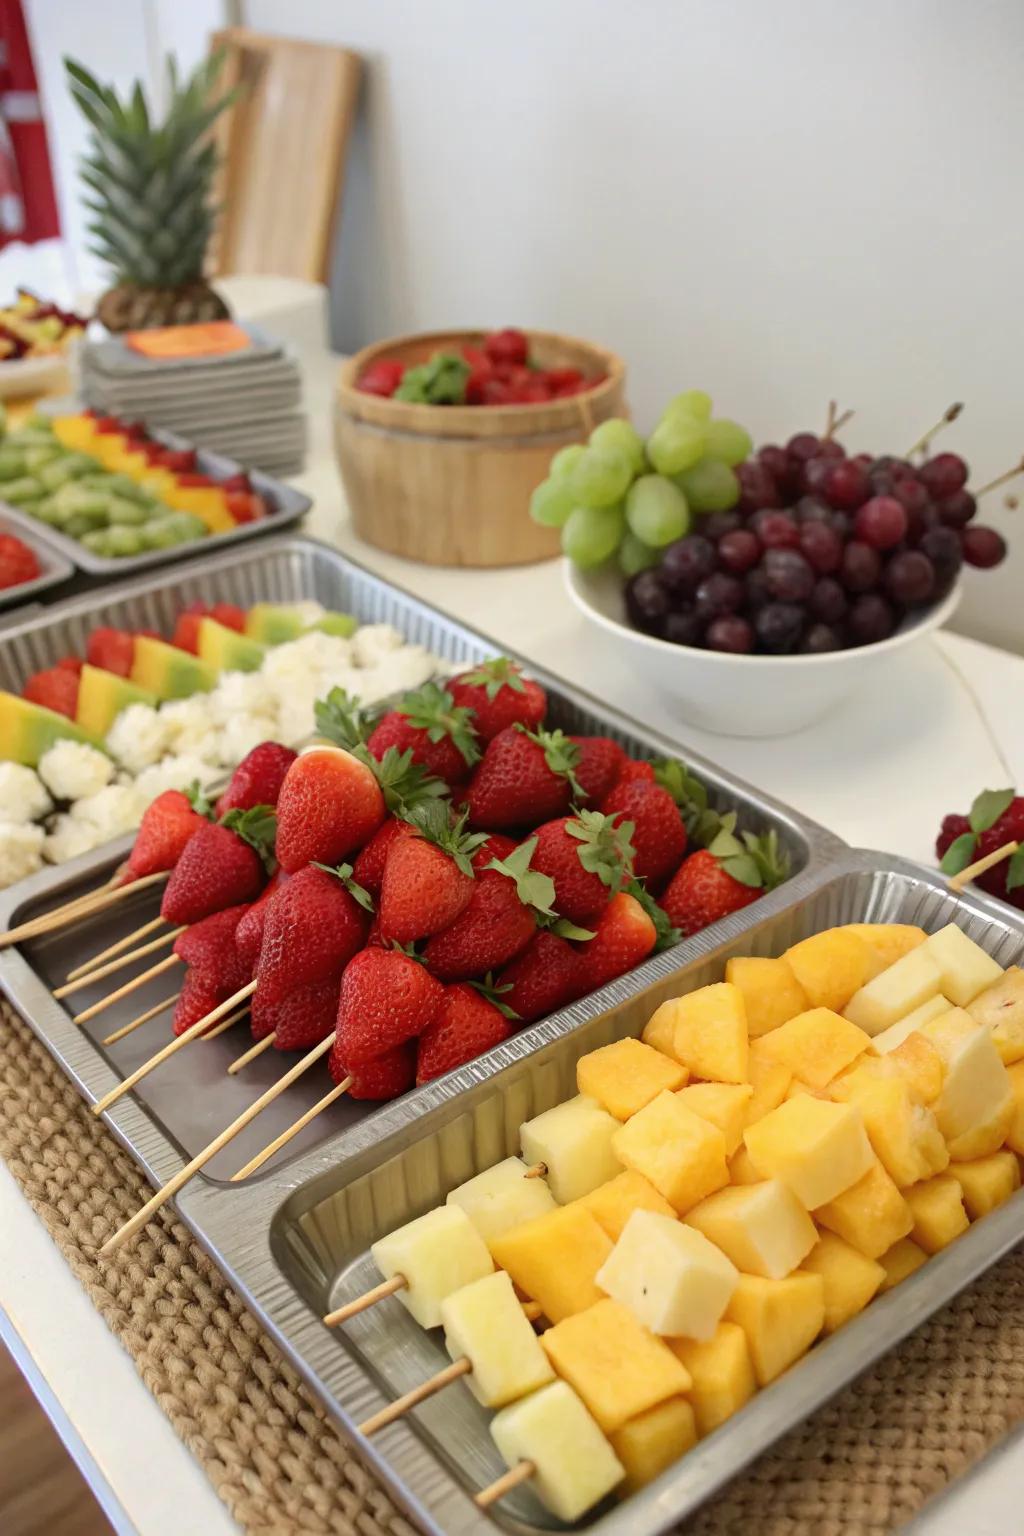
(743, 867)
(1015, 870)
(343, 720)
(959, 854)
(403, 783)
(988, 808)
(257, 827)
(432, 709)
(606, 847)
(701, 821)
(773, 863)
(198, 801)
(567, 930)
(492, 990)
(494, 675)
(343, 872)
(667, 935)
(433, 820)
(533, 889)
(560, 753)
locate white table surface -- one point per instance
(881, 772)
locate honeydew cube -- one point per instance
(554, 1258)
(904, 1134)
(987, 1181)
(724, 1104)
(618, 1368)
(762, 1228)
(626, 1075)
(1001, 1007)
(574, 1142)
(964, 966)
(711, 1033)
(781, 1319)
(890, 1038)
(485, 1322)
(436, 1254)
(871, 1215)
(669, 1276)
(938, 1210)
(831, 966)
(850, 1278)
(575, 1465)
(770, 1080)
(653, 1440)
(612, 1204)
(1015, 1135)
(722, 1371)
(501, 1197)
(680, 1153)
(899, 1261)
(741, 1167)
(890, 941)
(771, 993)
(815, 1146)
(975, 1108)
(896, 992)
(816, 1045)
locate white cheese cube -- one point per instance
(964, 966)
(895, 992)
(485, 1323)
(974, 1107)
(762, 1228)
(669, 1276)
(575, 1465)
(574, 1142)
(895, 1035)
(501, 1198)
(436, 1254)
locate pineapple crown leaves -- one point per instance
(432, 819)
(492, 990)
(755, 861)
(702, 823)
(494, 675)
(196, 797)
(432, 709)
(257, 827)
(667, 935)
(605, 846)
(343, 872)
(561, 754)
(533, 888)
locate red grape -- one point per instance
(811, 509)
(983, 547)
(871, 619)
(828, 448)
(730, 633)
(778, 627)
(820, 638)
(685, 563)
(863, 459)
(647, 602)
(822, 547)
(909, 578)
(683, 627)
(803, 446)
(944, 475)
(739, 550)
(815, 475)
(942, 546)
(911, 494)
(776, 530)
(717, 524)
(861, 567)
(789, 577)
(757, 589)
(757, 488)
(957, 510)
(827, 601)
(846, 485)
(779, 465)
(881, 522)
(718, 594)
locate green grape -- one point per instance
(656, 511)
(635, 555)
(622, 437)
(676, 443)
(600, 477)
(728, 442)
(592, 534)
(565, 461)
(551, 503)
(692, 402)
(709, 486)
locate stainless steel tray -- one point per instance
(53, 567)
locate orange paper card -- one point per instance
(213, 339)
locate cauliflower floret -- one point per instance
(297, 718)
(68, 838)
(192, 728)
(21, 847)
(23, 797)
(242, 733)
(174, 773)
(71, 769)
(113, 810)
(240, 693)
(139, 737)
(373, 641)
(310, 655)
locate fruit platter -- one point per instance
(36, 336)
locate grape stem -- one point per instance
(1010, 474)
(842, 419)
(924, 441)
(830, 422)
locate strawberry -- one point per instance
(55, 688)
(589, 857)
(404, 783)
(258, 778)
(387, 997)
(18, 562)
(209, 950)
(330, 804)
(996, 818)
(495, 846)
(657, 831)
(428, 876)
(548, 974)
(727, 876)
(953, 826)
(368, 867)
(230, 615)
(313, 926)
(499, 696)
(168, 823)
(526, 777)
(301, 1019)
(111, 649)
(221, 864)
(386, 1077)
(249, 933)
(437, 732)
(499, 921)
(601, 760)
(626, 934)
(635, 768)
(197, 999)
(507, 346)
(71, 664)
(468, 1022)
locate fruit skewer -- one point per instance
(983, 865)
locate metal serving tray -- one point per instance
(53, 568)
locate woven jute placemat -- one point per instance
(862, 1466)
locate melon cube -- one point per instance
(724, 1104)
(770, 1080)
(796, 1088)
(616, 1366)
(771, 993)
(781, 1319)
(722, 1371)
(554, 1258)
(612, 1204)
(660, 1030)
(850, 1278)
(1001, 1007)
(574, 1142)
(1015, 1135)
(896, 992)
(669, 1276)
(816, 1045)
(904, 1134)
(485, 1322)
(575, 1465)
(711, 1033)
(626, 1075)
(938, 1210)
(975, 1108)
(815, 1146)
(653, 1440)
(741, 1167)
(871, 1215)
(762, 1228)
(899, 1261)
(830, 967)
(679, 1152)
(890, 1038)
(987, 1181)
(915, 1060)
(964, 966)
(436, 1254)
(890, 941)
(501, 1197)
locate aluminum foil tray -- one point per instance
(53, 567)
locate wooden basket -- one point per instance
(451, 484)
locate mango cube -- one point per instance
(669, 1276)
(871, 1215)
(781, 1319)
(890, 941)
(1001, 1007)
(680, 1153)
(724, 1104)
(722, 1371)
(816, 1045)
(938, 1210)
(762, 1228)
(626, 1075)
(830, 967)
(975, 1108)
(771, 993)
(711, 1033)
(436, 1254)
(554, 1258)
(574, 1142)
(575, 1465)
(770, 1080)
(987, 1181)
(815, 1146)
(915, 1060)
(899, 1261)
(890, 1038)
(741, 1167)
(896, 992)
(964, 966)
(501, 1197)
(903, 1133)
(485, 1322)
(612, 1204)
(850, 1279)
(653, 1440)
(1015, 1135)
(616, 1366)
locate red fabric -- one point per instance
(28, 204)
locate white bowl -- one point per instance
(742, 695)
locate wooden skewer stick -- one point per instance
(202, 1158)
(98, 901)
(395, 1410)
(514, 1478)
(213, 1017)
(116, 949)
(118, 964)
(293, 1130)
(143, 1018)
(368, 1299)
(538, 1171)
(965, 876)
(1003, 479)
(949, 415)
(226, 1024)
(129, 987)
(252, 1053)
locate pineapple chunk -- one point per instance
(653, 1440)
(501, 1197)
(899, 1261)
(612, 1204)
(1015, 1135)
(895, 992)
(987, 1181)
(831, 966)
(975, 1107)
(669, 1276)
(965, 968)
(680, 1153)
(771, 993)
(938, 1210)
(437, 1253)
(770, 1080)
(484, 1322)
(616, 1366)
(781, 1319)
(575, 1465)
(871, 1215)
(890, 1038)
(574, 1142)
(741, 1167)
(724, 1104)
(710, 1036)
(1001, 1007)
(796, 1088)
(723, 1376)
(816, 1045)
(890, 941)
(850, 1279)
(904, 1134)
(625, 1076)
(816, 1147)
(554, 1258)
(762, 1228)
